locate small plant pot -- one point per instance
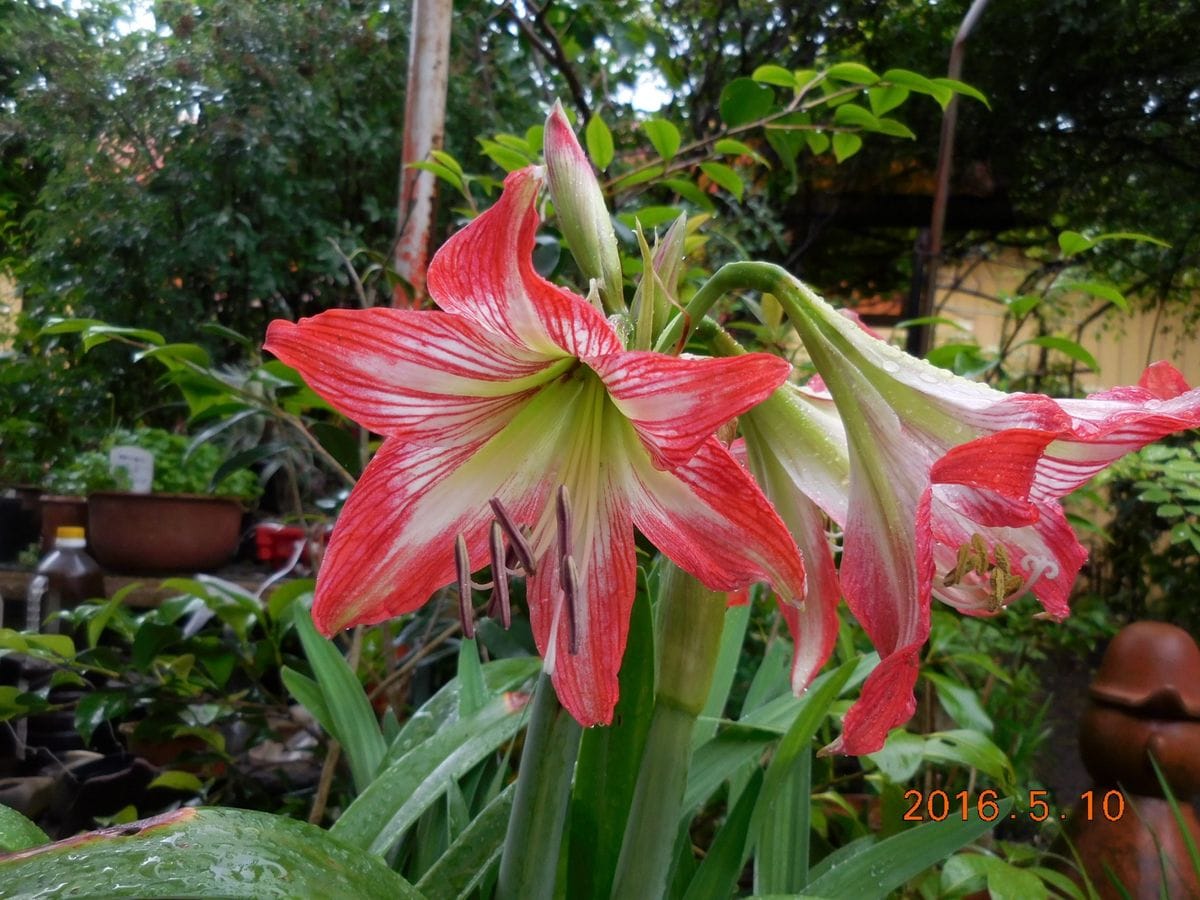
(158, 534)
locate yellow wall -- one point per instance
(1122, 343)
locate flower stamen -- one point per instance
(466, 611)
(500, 573)
(568, 574)
(517, 541)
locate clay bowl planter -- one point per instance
(157, 534)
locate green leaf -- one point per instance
(607, 768)
(178, 781)
(718, 874)
(931, 320)
(17, 832)
(919, 83)
(440, 171)
(1071, 243)
(505, 157)
(883, 867)
(960, 87)
(854, 116)
(733, 636)
(599, 142)
(1023, 305)
(894, 128)
(205, 853)
(961, 703)
(885, 99)
(744, 100)
(470, 858)
(1098, 289)
(308, 694)
(192, 353)
(845, 145)
(1067, 347)
(817, 141)
(689, 192)
(664, 136)
(725, 177)
(638, 176)
(852, 73)
(472, 694)
(971, 749)
(411, 783)
(776, 75)
(730, 147)
(901, 756)
(650, 216)
(356, 727)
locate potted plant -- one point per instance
(189, 520)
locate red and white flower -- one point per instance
(514, 390)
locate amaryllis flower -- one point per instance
(954, 491)
(516, 403)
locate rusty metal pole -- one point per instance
(424, 130)
(919, 337)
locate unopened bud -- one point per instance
(582, 213)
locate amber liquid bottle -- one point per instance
(65, 577)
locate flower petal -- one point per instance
(712, 520)
(485, 273)
(676, 403)
(427, 377)
(393, 544)
(1106, 426)
(1039, 543)
(585, 676)
(886, 700)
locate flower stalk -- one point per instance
(529, 862)
(690, 620)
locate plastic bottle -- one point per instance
(70, 577)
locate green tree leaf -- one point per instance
(599, 142)
(725, 177)
(744, 100)
(776, 75)
(852, 73)
(845, 145)
(1067, 347)
(664, 136)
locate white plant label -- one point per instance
(138, 463)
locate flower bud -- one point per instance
(582, 213)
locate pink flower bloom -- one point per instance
(514, 390)
(954, 491)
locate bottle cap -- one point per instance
(71, 531)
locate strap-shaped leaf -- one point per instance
(204, 853)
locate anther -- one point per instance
(466, 612)
(563, 512)
(517, 541)
(569, 575)
(499, 576)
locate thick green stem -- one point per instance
(730, 277)
(535, 829)
(690, 622)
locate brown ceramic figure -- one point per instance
(1143, 702)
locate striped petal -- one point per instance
(814, 622)
(712, 520)
(394, 541)
(1106, 426)
(485, 273)
(582, 639)
(677, 403)
(425, 377)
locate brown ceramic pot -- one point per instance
(153, 534)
